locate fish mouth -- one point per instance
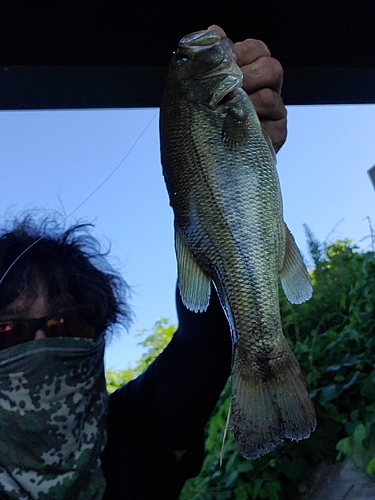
(226, 90)
(200, 40)
(228, 69)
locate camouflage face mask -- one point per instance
(52, 419)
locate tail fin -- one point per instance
(265, 412)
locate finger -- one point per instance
(268, 104)
(272, 114)
(276, 130)
(249, 51)
(264, 72)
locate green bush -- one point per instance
(332, 336)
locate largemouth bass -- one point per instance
(220, 172)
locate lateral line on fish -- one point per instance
(86, 199)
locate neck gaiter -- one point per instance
(53, 403)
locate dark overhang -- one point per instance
(114, 53)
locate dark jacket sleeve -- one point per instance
(166, 409)
(192, 371)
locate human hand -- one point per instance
(262, 80)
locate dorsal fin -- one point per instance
(294, 276)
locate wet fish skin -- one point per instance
(223, 187)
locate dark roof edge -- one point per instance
(66, 87)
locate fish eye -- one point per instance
(181, 57)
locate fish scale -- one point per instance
(221, 177)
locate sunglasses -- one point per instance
(69, 323)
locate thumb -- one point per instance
(215, 27)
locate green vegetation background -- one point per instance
(332, 336)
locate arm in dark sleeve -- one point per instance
(166, 408)
(192, 371)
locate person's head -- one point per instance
(47, 268)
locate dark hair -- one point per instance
(68, 262)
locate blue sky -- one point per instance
(56, 159)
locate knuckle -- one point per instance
(257, 46)
(268, 99)
(250, 50)
(277, 130)
(276, 69)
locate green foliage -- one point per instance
(332, 336)
(116, 379)
(161, 334)
(370, 469)
(154, 343)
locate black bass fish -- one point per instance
(220, 172)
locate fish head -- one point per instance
(203, 69)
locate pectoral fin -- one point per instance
(235, 128)
(194, 284)
(294, 276)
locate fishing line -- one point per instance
(225, 435)
(87, 198)
(113, 171)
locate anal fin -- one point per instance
(193, 283)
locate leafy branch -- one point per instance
(332, 336)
